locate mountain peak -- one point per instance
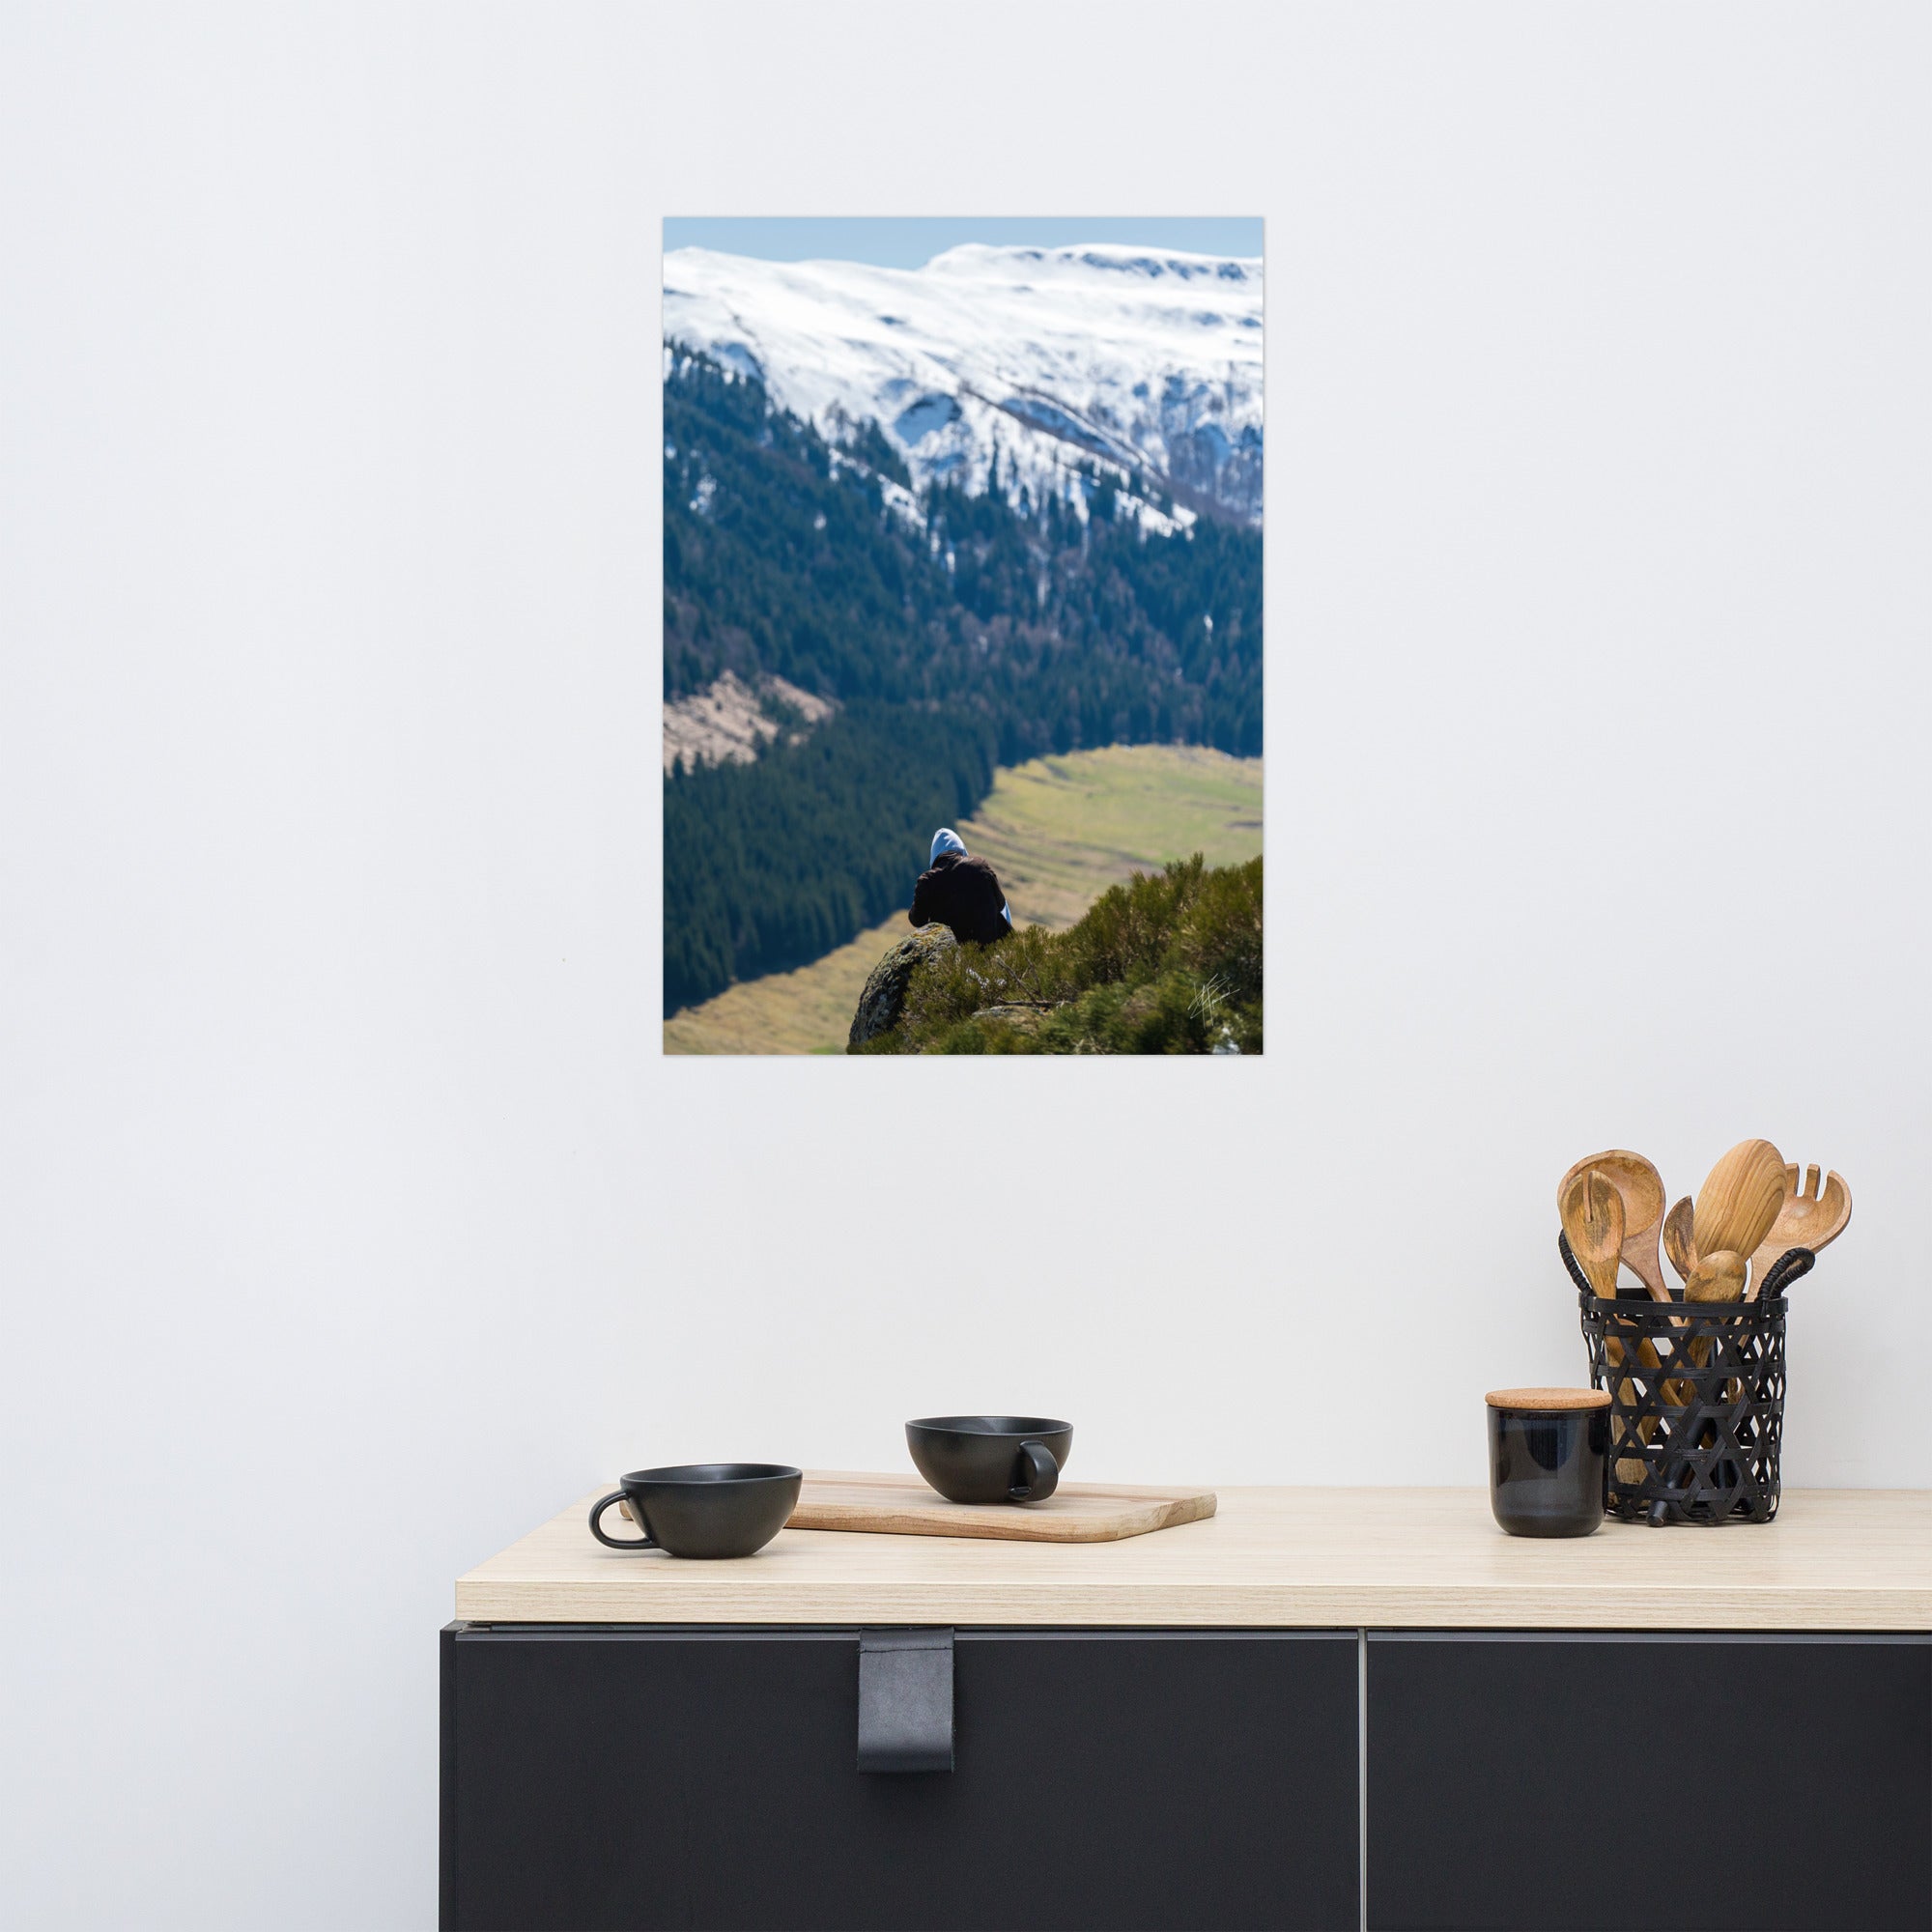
(1035, 366)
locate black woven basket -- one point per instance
(1697, 1401)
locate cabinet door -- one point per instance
(1568, 1782)
(602, 1778)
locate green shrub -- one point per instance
(1167, 963)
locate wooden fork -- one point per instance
(1809, 1217)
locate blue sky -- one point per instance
(910, 240)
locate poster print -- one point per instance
(962, 637)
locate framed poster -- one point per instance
(962, 636)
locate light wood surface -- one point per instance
(1810, 1217)
(898, 1505)
(1846, 1559)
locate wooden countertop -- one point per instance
(1835, 1559)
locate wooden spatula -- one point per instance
(1739, 1199)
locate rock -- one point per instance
(729, 721)
(884, 998)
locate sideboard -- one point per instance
(1318, 1708)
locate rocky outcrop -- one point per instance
(729, 721)
(884, 998)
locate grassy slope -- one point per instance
(1058, 831)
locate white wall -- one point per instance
(353, 1223)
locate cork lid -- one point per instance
(1549, 1401)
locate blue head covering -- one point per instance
(946, 840)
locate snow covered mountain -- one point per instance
(1037, 360)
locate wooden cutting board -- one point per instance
(1075, 1513)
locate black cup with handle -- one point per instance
(702, 1509)
(990, 1458)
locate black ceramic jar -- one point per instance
(1548, 1459)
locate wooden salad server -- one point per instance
(1593, 1218)
(1641, 1187)
(1810, 1217)
(1592, 1210)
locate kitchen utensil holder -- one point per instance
(1706, 1419)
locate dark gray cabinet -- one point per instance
(606, 1776)
(1582, 1783)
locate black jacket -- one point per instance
(964, 894)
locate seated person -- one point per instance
(961, 893)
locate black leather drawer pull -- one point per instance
(905, 1700)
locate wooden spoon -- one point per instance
(1641, 1187)
(1680, 1241)
(1739, 1200)
(1716, 1277)
(1593, 1218)
(1809, 1217)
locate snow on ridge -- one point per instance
(1042, 359)
(992, 261)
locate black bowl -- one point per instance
(990, 1458)
(704, 1509)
